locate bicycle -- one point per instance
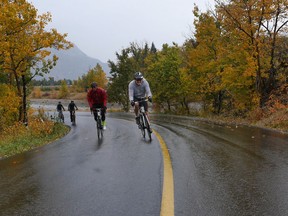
(61, 116)
(73, 117)
(98, 119)
(144, 123)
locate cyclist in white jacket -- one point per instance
(138, 89)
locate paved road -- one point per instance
(217, 170)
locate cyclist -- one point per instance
(71, 108)
(59, 109)
(139, 88)
(97, 98)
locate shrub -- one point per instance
(9, 103)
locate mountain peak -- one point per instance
(73, 63)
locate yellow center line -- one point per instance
(167, 204)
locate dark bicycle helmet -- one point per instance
(93, 85)
(138, 76)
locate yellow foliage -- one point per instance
(24, 41)
(63, 90)
(37, 93)
(37, 127)
(9, 103)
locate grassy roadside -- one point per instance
(18, 139)
(276, 121)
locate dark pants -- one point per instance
(142, 102)
(103, 111)
(71, 112)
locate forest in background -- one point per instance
(234, 64)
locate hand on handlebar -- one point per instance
(150, 99)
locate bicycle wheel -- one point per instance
(99, 128)
(61, 116)
(148, 128)
(59, 119)
(142, 125)
(73, 119)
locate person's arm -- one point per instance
(104, 94)
(131, 91)
(147, 88)
(89, 99)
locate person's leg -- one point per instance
(103, 112)
(146, 109)
(136, 111)
(94, 106)
(103, 118)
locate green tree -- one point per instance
(122, 73)
(129, 61)
(167, 77)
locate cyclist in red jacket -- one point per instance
(97, 98)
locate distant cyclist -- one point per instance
(97, 98)
(139, 88)
(71, 108)
(59, 109)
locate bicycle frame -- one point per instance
(98, 119)
(144, 120)
(73, 115)
(61, 116)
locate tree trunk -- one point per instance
(169, 106)
(218, 101)
(267, 87)
(186, 105)
(24, 101)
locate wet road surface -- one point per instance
(79, 175)
(225, 170)
(218, 170)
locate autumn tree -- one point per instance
(8, 105)
(259, 25)
(24, 43)
(63, 89)
(95, 74)
(219, 67)
(100, 77)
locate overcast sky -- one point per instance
(102, 28)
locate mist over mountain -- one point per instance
(73, 63)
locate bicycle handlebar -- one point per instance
(96, 109)
(142, 99)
